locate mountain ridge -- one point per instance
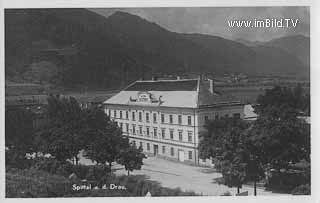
(121, 48)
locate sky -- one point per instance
(214, 20)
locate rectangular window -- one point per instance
(115, 113)
(121, 114)
(226, 115)
(140, 129)
(180, 135)
(147, 117)
(163, 149)
(190, 154)
(171, 134)
(134, 129)
(162, 118)
(133, 116)
(140, 116)
(189, 136)
(189, 120)
(109, 113)
(180, 119)
(236, 115)
(206, 118)
(163, 133)
(172, 151)
(134, 143)
(171, 119)
(216, 117)
(127, 115)
(127, 127)
(148, 146)
(148, 131)
(155, 132)
(121, 126)
(154, 118)
(141, 145)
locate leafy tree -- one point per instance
(278, 138)
(64, 135)
(132, 158)
(224, 140)
(106, 140)
(18, 132)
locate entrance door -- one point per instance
(181, 155)
(155, 149)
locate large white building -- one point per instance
(165, 117)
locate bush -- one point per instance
(35, 183)
(16, 160)
(226, 194)
(52, 166)
(302, 190)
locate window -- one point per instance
(127, 127)
(236, 115)
(163, 133)
(134, 143)
(154, 118)
(148, 131)
(133, 129)
(180, 119)
(163, 149)
(171, 134)
(162, 118)
(226, 115)
(121, 114)
(189, 136)
(189, 120)
(109, 113)
(121, 126)
(140, 116)
(190, 154)
(206, 118)
(180, 135)
(127, 115)
(133, 116)
(171, 119)
(140, 129)
(115, 113)
(216, 117)
(172, 151)
(147, 117)
(141, 145)
(148, 146)
(155, 132)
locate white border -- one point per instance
(315, 87)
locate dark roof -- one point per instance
(169, 85)
(205, 98)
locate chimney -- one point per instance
(211, 85)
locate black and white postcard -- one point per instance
(154, 101)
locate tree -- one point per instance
(106, 141)
(132, 158)
(64, 135)
(19, 132)
(278, 138)
(224, 140)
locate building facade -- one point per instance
(166, 117)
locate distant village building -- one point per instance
(249, 113)
(165, 117)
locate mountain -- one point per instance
(297, 45)
(94, 51)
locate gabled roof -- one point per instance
(191, 93)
